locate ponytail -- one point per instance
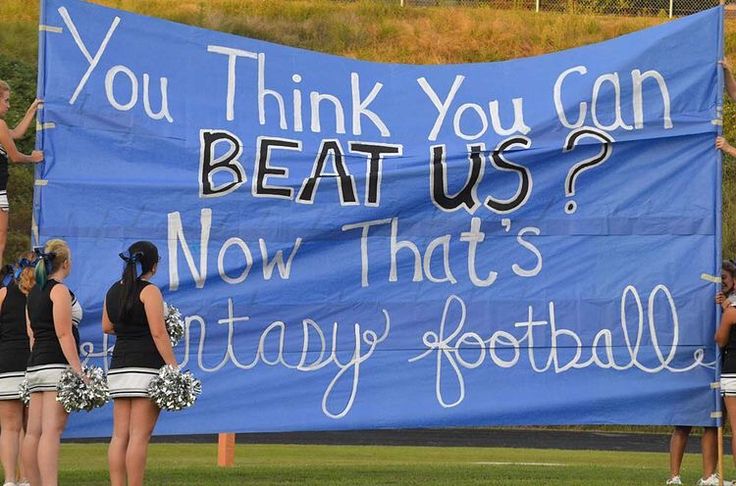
(26, 279)
(41, 273)
(140, 259)
(50, 259)
(24, 272)
(130, 276)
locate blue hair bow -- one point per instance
(47, 257)
(23, 264)
(134, 259)
(128, 258)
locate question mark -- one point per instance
(582, 166)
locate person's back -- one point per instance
(13, 318)
(134, 345)
(46, 347)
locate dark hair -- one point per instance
(7, 275)
(140, 258)
(729, 266)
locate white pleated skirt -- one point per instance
(10, 384)
(130, 382)
(42, 378)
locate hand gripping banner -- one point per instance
(365, 245)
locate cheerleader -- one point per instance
(14, 351)
(53, 315)
(9, 153)
(134, 313)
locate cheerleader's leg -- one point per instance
(33, 435)
(119, 441)
(143, 416)
(11, 421)
(53, 422)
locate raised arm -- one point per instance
(6, 140)
(153, 302)
(62, 301)
(728, 78)
(22, 127)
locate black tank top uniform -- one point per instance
(14, 343)
(728, 364)
(135, 359)
(3, 179)
(47, 360)
(3, 169)
(728, 354)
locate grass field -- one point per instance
(194, 464)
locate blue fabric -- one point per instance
(485, 267)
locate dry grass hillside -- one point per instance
(371, 30)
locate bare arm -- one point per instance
(29, 331)
(22, 127)
(107, 326)
(728, 319)
(3, 293)
(728, 79)
(15, 156)
(63, 325)
(153, 302)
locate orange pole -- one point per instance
(226, 449)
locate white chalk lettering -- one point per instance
(636, 103)
(93, 61)
(451, 343)
(314, 355)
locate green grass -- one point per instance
(194, 464)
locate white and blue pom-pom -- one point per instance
(174, 323)
(174, 389)
(76, 393)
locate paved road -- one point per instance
(457, 437)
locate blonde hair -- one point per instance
(4, 86)
(27, 277)
(51, 264)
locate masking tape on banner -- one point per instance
(710, 278)
(50, 28)
(715, 415)
(44, 126)
(715, 385)
(42, 182)
(34, 230)
(717, 121)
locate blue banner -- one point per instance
(367, 245)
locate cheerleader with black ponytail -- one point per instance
(134, 313)
(52, 314)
